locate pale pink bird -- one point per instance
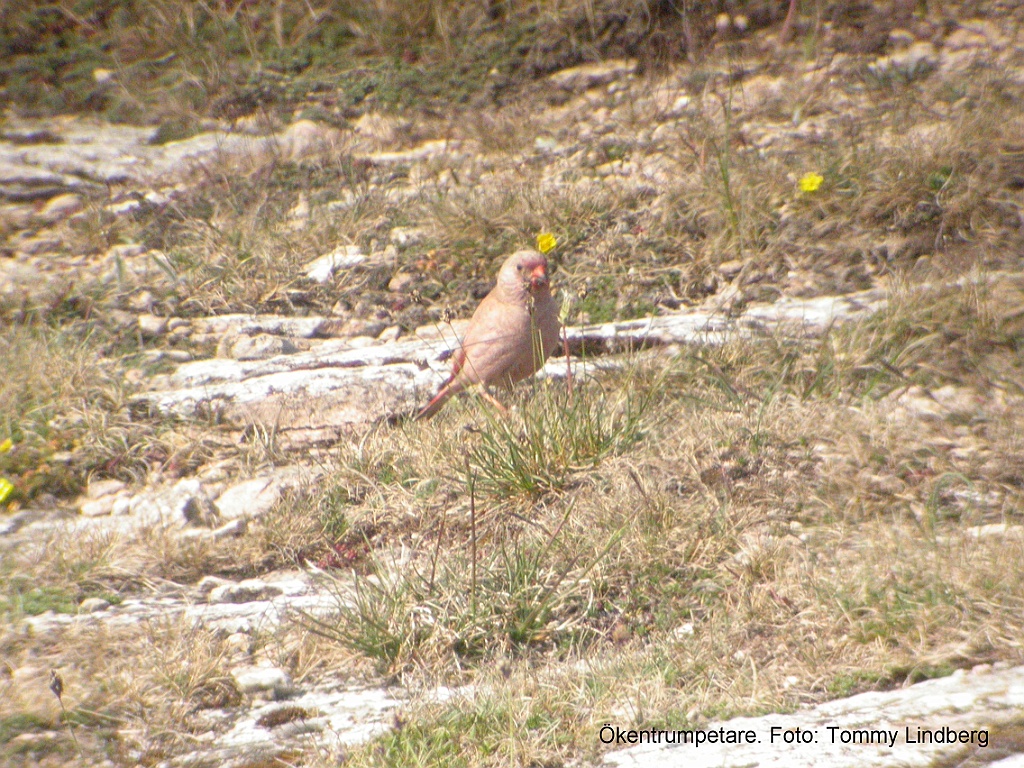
(511, 333)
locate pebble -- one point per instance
(123, 207)
(265, 678)
(199, 510)
(142, 301)
(151, 326)
(247, 591)
(357, 327)
(208, 583)
(97, 507)
(402, 282)
(323, 268)
(93, 605)
(403, 237)
(259, 347)
(251, 498)
(910, 61)
(99, 488)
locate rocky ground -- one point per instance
(211, 345)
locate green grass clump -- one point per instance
(556, 435)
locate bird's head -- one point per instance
(524, 272)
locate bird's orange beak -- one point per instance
(539, 276)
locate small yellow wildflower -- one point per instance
(6, 445)
(5, 489)
(810, 182)
(546, 242)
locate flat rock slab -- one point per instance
(231, 607)
(938, 722)
(337, 385)
(325, 720)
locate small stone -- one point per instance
(357, 327)
(238, 643)
(142, 301)
(99, 488)
(585, 76)
(679, 106)
(93, 605)
(59, 208)
(123, 207)
(259, 347)
(97, 507)
(156, 198)
(304, 138)
(545, 144)
(265, 678)
(151, 326)
(179, 333)
(384, 129)
(300, 725)
(403, 237)
(247, 591)
(401, 282)
(121, 319)
(252, 498)
(208, 583)
(683, 630)
(200, 510)
(391, 333)
(729, 269)
(219, 471)
(186, 500)
(963, 38)
(901, 38)
(230, 529)
(910, 61)
(323, 268)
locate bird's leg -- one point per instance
(493, 401)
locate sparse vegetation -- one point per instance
(699, 532)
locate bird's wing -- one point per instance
(497, 339)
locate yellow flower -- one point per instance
(5, 489)
(546, 242)
(6, 445)
(810, 182)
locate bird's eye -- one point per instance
(519, 267)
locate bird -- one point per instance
(512, 332)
